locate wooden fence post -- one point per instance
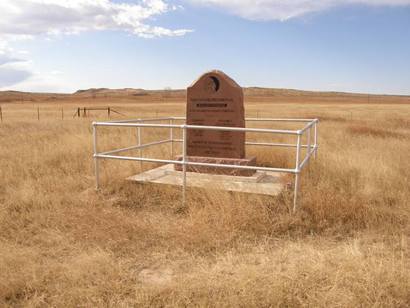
(38, 113)
(62, 113)
(1, 115)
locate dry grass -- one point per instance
(363, 130)
(63, 244)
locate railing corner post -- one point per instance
(297, 169)
(295, 192)
(139, 144)
(315, 139)
(171, 137)
(184, 163)
(96, 162)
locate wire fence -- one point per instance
(56, 113)
(11, 112)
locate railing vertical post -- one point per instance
(96, 163)
(171, 137)
(139, 144)
(315, 140)
(184, 161)
(308, 142)
(1, 115)
(297, 175)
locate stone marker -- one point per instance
(216, 100)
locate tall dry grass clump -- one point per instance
(63, 244)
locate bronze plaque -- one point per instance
(215, 100)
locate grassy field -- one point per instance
(63, 244)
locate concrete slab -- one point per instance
(264, 183)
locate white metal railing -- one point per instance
(310, 146)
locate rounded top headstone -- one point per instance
(215, 99)
(214, 81)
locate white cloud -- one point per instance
(30, 18)
(11, 75)
(13, 69)
(43, 82)
(286, 9)
(16, 72)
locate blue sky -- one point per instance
(332, 45)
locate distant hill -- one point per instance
(251, 94)
(16, 96)
(110, 92)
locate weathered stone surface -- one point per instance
(265, 183)
(212, 160)
(215, 100)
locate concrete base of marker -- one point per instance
(216, 160)
(261, 182)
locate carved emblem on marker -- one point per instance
(212, 84)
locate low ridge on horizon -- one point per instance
(257, 90)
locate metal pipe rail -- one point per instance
(180, 162)
(310, 147)
(268, 144)
(141, 120)
(136, 147)
(200, 127)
